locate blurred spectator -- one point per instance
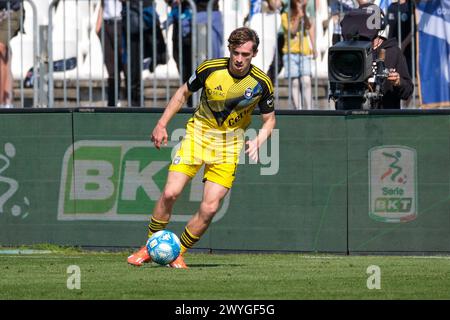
(181, 13)
(255, 6)
(337, 10)
(9, 27)
(133, 57)
(262, 6)
(403, 9)
(363, 2)
(111, 18)
(281, 40)
(264, 18)
(298, 52)
(277, 62)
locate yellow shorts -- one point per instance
(222, 174)
(218, 151)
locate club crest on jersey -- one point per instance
(248, 93)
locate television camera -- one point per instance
(356, 78)
(356, 72)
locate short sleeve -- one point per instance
(198, 78)
(195, 82)
(266, 104)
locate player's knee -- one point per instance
(208, 209)
(170, 195)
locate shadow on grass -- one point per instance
(211, 265)
(194, 265)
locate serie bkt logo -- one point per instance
(120, 180)
(393, 183)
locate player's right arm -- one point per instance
(195, 82)
(159, 134)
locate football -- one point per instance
(163, 246)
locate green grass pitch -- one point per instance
(291, 276)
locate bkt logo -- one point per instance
(121, 181)
(393, 184)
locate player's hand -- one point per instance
(394, 77)
(159, 136)
(252, 149)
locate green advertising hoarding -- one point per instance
(399, 179)
(31, 146)
(128, 174)
(302, 205)
(325, 182)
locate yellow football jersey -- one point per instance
(227, 101)
(215, 133)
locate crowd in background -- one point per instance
(295, 41)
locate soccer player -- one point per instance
(232, 88)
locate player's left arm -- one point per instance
(253, 146)
(266, 107)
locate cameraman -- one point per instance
(398, 85)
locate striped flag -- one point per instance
(433, 26)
